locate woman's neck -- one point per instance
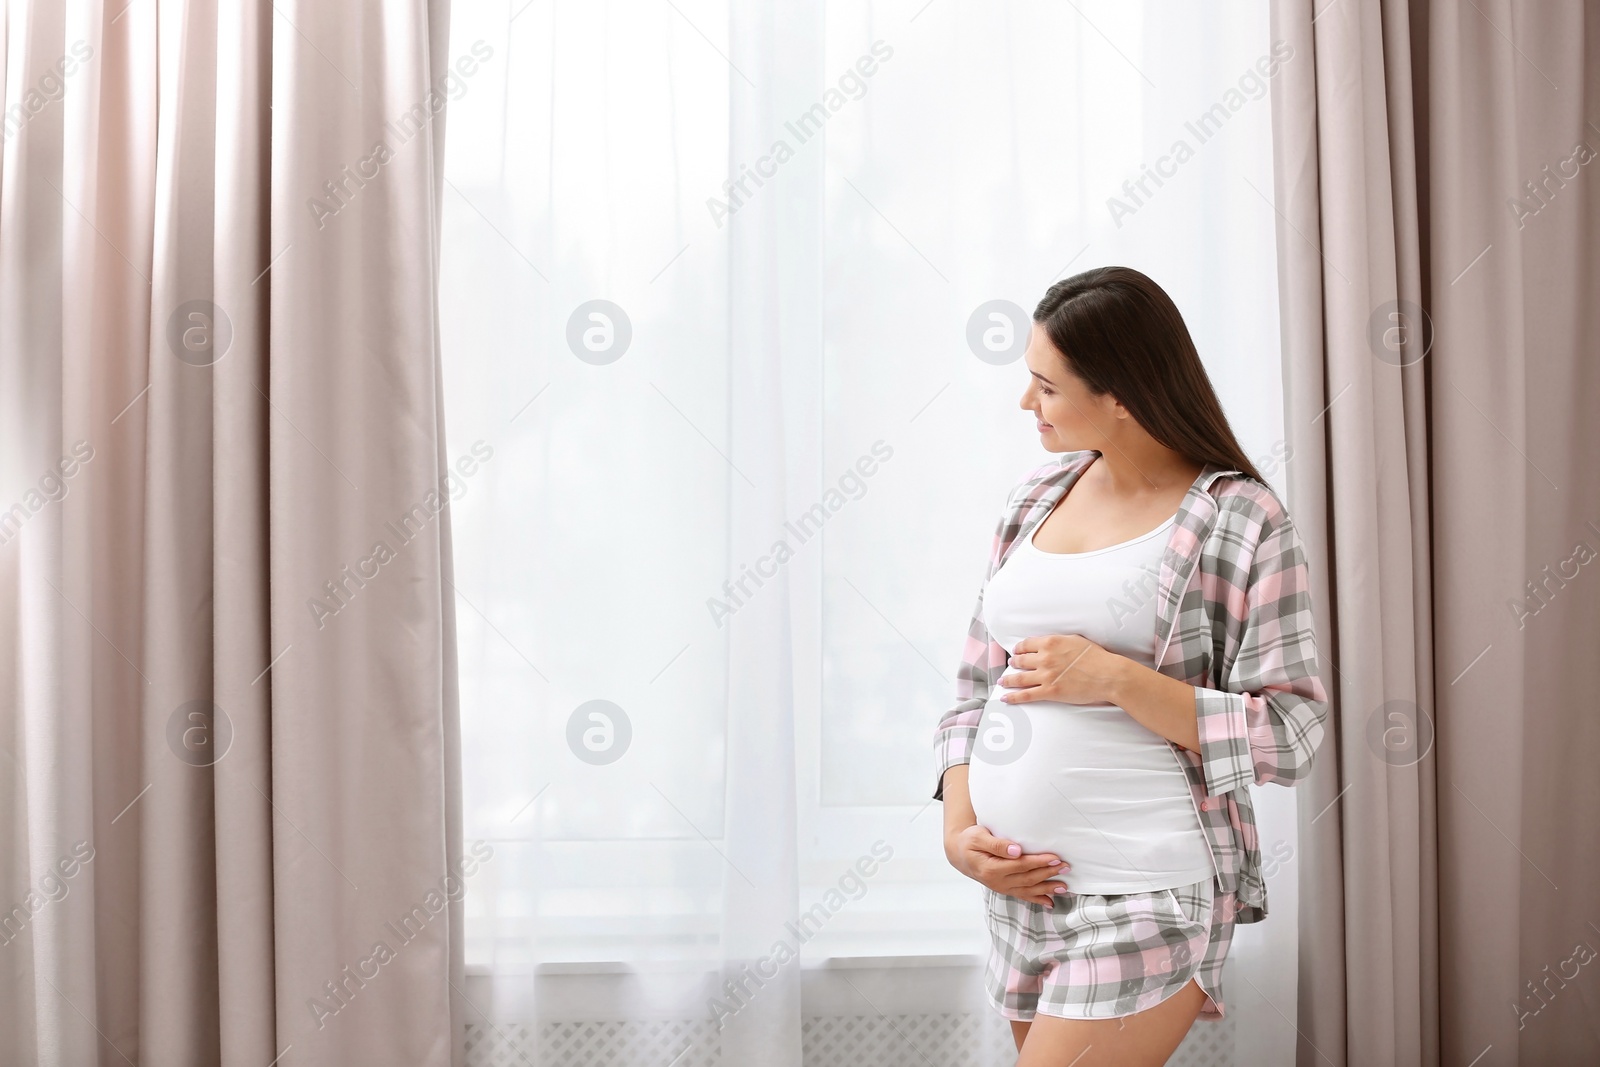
(1131, 471)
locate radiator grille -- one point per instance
(951, 1040)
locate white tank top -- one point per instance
(1087, 782)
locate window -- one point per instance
(665, 376)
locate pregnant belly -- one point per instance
(1093, 786)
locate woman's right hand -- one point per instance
(1002, 866)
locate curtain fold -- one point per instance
(1436, 255)
(231, 776)
(774, 333)
(241, 504)
(1352, 417)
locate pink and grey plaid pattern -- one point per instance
(1101, 956)
(1233, 619)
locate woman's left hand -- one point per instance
(1064, 667)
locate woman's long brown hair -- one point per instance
(1122, 334)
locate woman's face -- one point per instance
(1070, 417)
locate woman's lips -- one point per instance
(1043, 426)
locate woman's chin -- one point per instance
(1054, 442)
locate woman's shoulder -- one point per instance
(1247, 502)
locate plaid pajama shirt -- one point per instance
(1233, 619)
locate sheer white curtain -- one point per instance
(743, 459)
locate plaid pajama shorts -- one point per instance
(1094, 956)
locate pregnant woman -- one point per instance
(1142, 650)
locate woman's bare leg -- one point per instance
(1145, 1039)
(1019, 1033)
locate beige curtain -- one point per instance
(1439, 215)
(229, 773)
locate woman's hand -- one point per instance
(1074, 670)
(1002, 866)
(991, 861)
(1065, 667)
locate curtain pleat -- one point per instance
(244, 821)
(1342, 186)
(774, 330)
